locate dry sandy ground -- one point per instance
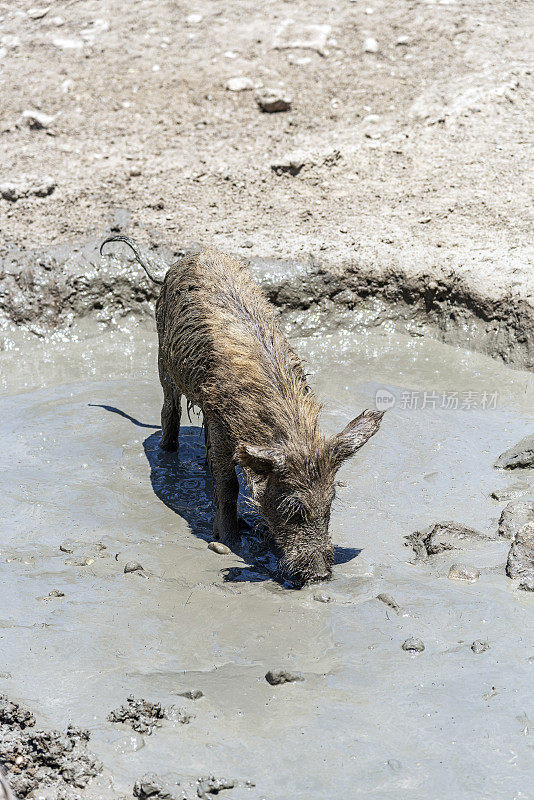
(416, 153)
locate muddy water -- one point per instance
(80, 465)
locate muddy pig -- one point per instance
(221, 347)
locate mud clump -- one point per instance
(520, 563)
(38, 758)
(519, 456)
(210, 786)
(516, 514)
(141, 715)
(389, 601)
(144, 716)
(442, 536)
(277, 676)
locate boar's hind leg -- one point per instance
(170, 414)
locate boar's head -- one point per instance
(293, 486)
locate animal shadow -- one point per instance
(182, 481)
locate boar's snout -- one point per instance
(308, 568)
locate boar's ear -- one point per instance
(355, 435)
(261, 460)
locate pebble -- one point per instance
(56, 593)
(37, 120)
(389, 601)
(370, 45)
(240, 84)
(413, 645)
(402, 40)
(27, 186)
(291, 163)
(371, 118)
(322, 598)
(66, 547)
(220, 548)
(273, 100)
(132, 566)
(80, 561)
(479, 646)
(301, 36)
(67, 44)
(193, 19)
(134, 172)
(278, 676)
(191, 694)
(38, 13)
(460, 572)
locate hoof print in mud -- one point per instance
(35, 759)
(277, 676)
(141, 715)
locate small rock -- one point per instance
(240, 84)
(370, 45)
(56, 593)
(520, 563)
(151, 786)
(191, 694)
(278, 676)
(514, 516)
(67, 44)
(273, 100)
(209, 786)
(322, 598)
(520, 456)
(301, 36)
(460, 572)
(479, 646)
(389, 601)
(512, 492)
(371, 119)
(58, 21)
(402, 40)
(27, 186)
(413, 645)
(220, 548)
(38, 13)
(132, 566)
(80, 561)
(134, 171)
(66, 547)
(292, 163)
(193, 19)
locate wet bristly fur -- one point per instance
(220, 346)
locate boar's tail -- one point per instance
(120, 237)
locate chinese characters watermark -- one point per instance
(431, 400)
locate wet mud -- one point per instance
(87, 491)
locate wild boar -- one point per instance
(220, 345)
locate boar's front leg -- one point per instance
(171, 412)
(226, 486)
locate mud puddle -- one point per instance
(81, 471)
